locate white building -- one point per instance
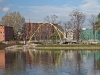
(69, 34)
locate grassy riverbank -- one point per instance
(3, 45)
(69, 47)
(54, 46)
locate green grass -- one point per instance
(19, 46)
(70, 45)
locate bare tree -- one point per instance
(67, 26)
(77, 19)
(47, 19)
(14, 20)
(52, 19)
(92, 22)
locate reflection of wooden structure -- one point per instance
(2, 59)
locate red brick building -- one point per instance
(43, 33)
(6, 33)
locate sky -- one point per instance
(37, 10)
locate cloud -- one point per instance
(5, 9)
(90, 6)
(38, 13)
(1, 1)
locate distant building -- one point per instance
(70, 35)
(40, 31)
(6, 33)
(87, 35)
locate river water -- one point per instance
(46, 62)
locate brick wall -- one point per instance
(2, 31)
(42, 34)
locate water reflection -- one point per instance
(2, 59)
(46, 62)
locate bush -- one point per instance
(1, 43)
